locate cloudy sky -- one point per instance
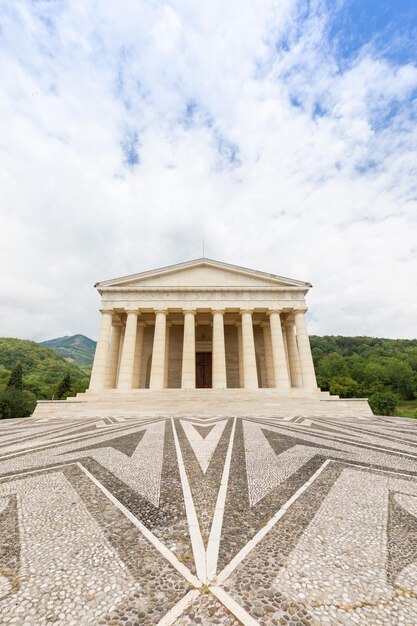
(281, 132)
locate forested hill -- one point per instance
(43, 368)
(77, 349)
(365, 366)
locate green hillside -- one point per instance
(77, 349)
(43, 368)
(368, 367)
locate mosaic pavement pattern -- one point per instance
(208, 521)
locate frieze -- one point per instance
(192, 296)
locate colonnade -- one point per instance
(288, 359)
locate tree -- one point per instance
(16, 377)
(64, 387)
(401, 378)
(331, 366)
(345, 387)
(383, 402)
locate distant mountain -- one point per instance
(77, 349)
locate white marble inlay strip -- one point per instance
(179, 608)
(225, 573)
(235, 608)
(180, 567)
(213, 546)
(193, 525)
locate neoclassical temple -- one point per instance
(207, 339)
(203, 324)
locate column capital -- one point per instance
(189, 311)
(271, 311)
(303, 310)
(241, 311)
(164, 311)
(222, 311)
(132, 311)
(107, 311)
(289, 322)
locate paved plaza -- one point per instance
(208, 521)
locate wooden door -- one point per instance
(203, 370)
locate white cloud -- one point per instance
(242, 127)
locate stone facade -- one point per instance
(248, 326)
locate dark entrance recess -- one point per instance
(203, 370)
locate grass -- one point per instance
(407, 408)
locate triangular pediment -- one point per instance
(202, 273)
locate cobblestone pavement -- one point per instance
(208, 521)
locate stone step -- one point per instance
(204, 403)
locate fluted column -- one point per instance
(250, 374)
(158, 352)
(188, 351)
(98, 373)
(128, 353)
(137, 365)
(293, 359)
(268, 354)
(240, 354)
(219, 352)
(166, 371)
(113, 356)
(306, 359)
(282, 380)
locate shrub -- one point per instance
(383, 402)
(16, 403)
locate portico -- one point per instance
(203, 324)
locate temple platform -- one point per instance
(205, 403)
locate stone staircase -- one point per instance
(204, 403)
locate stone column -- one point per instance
(113, 356)
(282, 380)
(293, 359)
(240, 354)
(188, 351)
(98, 373)
(137, 365)
(128, 353)
(306, 360)
(250, 374)
(166, 372)
(270, 376)
(219, 352)
(158, 352)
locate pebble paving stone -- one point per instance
(145, 521)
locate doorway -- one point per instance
(203, 364)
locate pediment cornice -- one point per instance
(202, 275)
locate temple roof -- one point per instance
(202, 273)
